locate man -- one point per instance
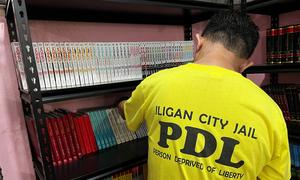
(204, 119)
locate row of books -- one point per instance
(135, 173)
(74, 135)
(295, 160)
(156, 56)
(110, 129)
(287, 98)
(283, 44)
(76, 64)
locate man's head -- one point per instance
(235, 31)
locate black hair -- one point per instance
(235, 30)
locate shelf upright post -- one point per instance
(17, 22)
(274, 24)
(188, 34)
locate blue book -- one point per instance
(107, 128)
(95, 128)
(103, 129)
(100, 130)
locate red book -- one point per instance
(91, 136)
(69, 136)
(79, 132)
(74, 134)
(85, 135)
(58, 138)
(63, 133)
(69, 117)
(53, 144)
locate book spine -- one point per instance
(58, 137)
(118, 117)
(100, 129)
(65, 141)
(94, 64)
(289, 44)
(112, 137)
(97, 57)
(296, 43)
(74, 135)
(55, 65)
(65, 64)
(54, 146)
(79, 56)
(69, 137)
(113, 126)
(50, 65)
(60, 64)
(19, 64)
(95, 130)
(83, 62)
(80, 133)
(38, 65)
(44, 65)
(71, 58)
(105, 134)
(91, 136)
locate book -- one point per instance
(44, 65)
(38, 65)
(19, 65)
(61, 67)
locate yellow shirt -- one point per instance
(207, 122)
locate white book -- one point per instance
(50, 65)
(101, 62)
(88, 61)
(55, 65)
(116, 62)
(111, 64)
(97, 57)
(19, 65)
(94, 64)
(119, 124)
(113, 126)
(117, 127)
(138, 62)
(83, 62)
(122, 125)
(124, 61)
(107, 62)
(38, 65)
(71, 57)
(131, 134)
(44, 65)
(60, 66)
(64, 58)
(79, 63)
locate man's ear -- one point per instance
(245, 65)
(199, 42)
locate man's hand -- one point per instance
(121, 108)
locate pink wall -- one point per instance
(15, 158)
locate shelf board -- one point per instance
(106, 162)
(273, 68)
(123, 11)
(269, 7)
(50, 96)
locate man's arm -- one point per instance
(133, 109)
(121, 108)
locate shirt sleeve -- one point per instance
(134, 108)
(279, 168)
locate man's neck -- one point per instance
(217, 56)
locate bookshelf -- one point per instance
(160, 12)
